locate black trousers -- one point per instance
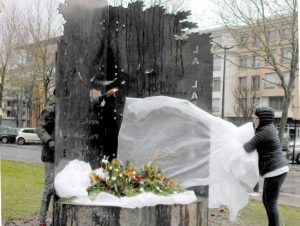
(271, 191)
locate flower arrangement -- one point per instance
(120, 180)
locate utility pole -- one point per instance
(224, 73)
(21, 111)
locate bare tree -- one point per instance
(172, 6)
(2, 7)
(16, 109)
(28, 47)
(9, 58)
(43, 27)
(116, 2)
(256, 25)
(246, 99)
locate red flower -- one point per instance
(106, 189)
(138, 177)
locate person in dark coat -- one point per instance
(272, 166)
(256, 188)
(105, 106)
(46, 132)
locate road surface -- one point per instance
(31, 153)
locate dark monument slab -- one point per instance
(141, 53)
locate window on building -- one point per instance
(286, 76)
(217, 39)
(276, 103)
(269, 56)
(286, 31)
(216, 84)
(286, 55)
(217, 63)
(10, 114)
(242, 105)
(243, 41)
(255, 82)
(255, 61)
(242, 83)
(271, 34)
(255, 101)
(243, 62)
(11, 103)
(257, 40)
(270, 80)
(216, 104)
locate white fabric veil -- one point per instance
(194, 147)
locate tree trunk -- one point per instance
(194, 214)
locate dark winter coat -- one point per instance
(46, 130)
(266, 142)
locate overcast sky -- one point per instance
(198, 8)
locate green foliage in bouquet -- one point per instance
(120, 180)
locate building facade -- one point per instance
(24, 94)
(245, 69)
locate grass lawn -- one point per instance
(254, 214)
(22, 187)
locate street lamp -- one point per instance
(224, 72)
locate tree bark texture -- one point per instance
(194, 214)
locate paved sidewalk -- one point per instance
(295, 167)
(289, 193)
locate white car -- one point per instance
(290, 152)
(27, 135)
(285, 142)
(297, 142)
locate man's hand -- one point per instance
(112, 92)
(51, 145)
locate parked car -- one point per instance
(27, 135)
(297, 143)
(3, 128)
(285, 142)
(289, 154)
(9, 135)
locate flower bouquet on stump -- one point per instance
(126, 180)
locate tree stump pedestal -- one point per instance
(193, 214)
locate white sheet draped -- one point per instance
(195, 148)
